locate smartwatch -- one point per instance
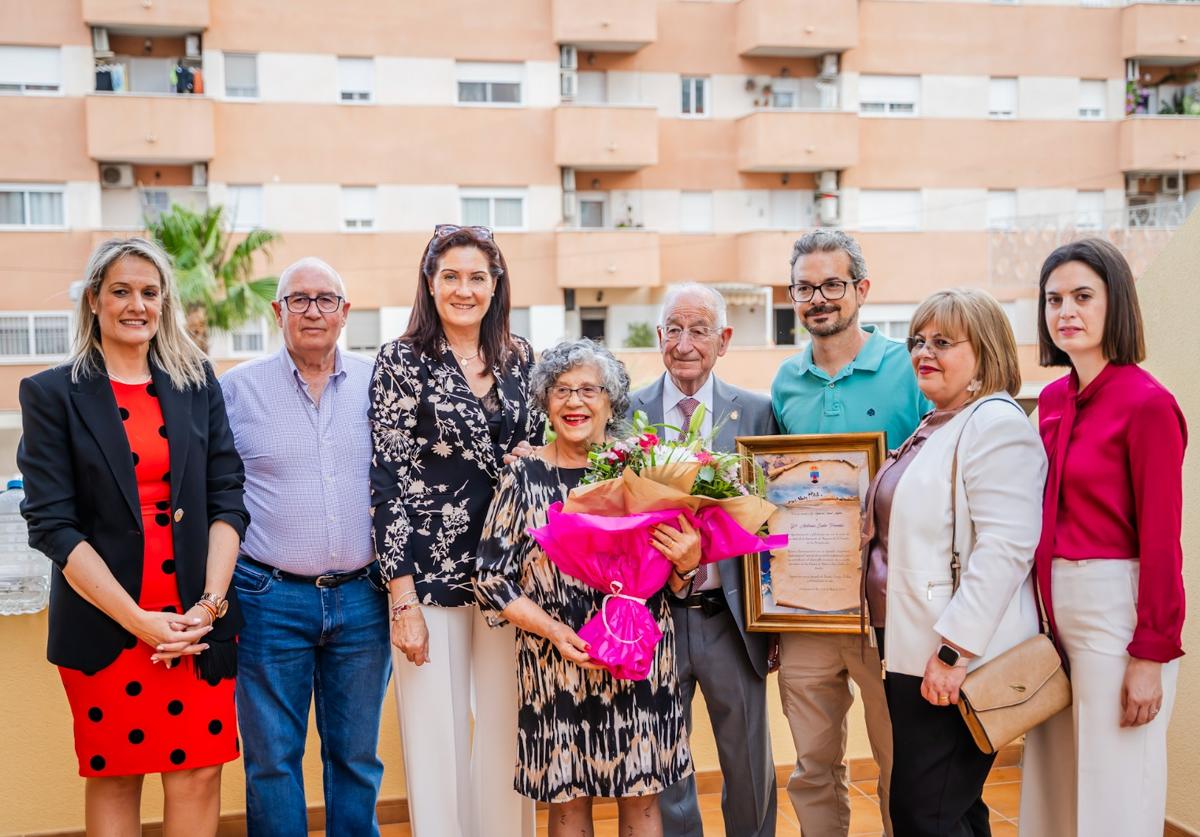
(950, 656)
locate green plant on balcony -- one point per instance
(215, 272)
(639, 336)
(1182, 103)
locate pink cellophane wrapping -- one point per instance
(614, 554)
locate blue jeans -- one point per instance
(300, 642)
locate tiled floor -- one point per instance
(1002, 794)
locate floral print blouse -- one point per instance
(435, 463)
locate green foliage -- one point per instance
(217, 286)
(639, 336)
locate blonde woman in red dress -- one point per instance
(134, 491)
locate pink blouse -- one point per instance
(1115, 490)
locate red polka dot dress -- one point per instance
(134, 716)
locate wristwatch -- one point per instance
(690, 574)
(950, 656)
(215, 604)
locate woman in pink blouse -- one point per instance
(1109, 565)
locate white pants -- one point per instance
(1084, 773)
(459, 784)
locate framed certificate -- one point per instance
(819, 485)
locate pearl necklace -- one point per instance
(121, 380)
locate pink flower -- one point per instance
(704, 457)
(648, 440)
(612, 456)
(621, 455)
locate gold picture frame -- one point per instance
(819, 485)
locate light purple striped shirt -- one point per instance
(308, 463)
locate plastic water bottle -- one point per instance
(24, 572)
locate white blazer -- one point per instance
(1001, 474)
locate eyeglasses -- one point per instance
(326, 303)
(443, 230)
(587, 392)
(697, 333)
(830, 289)
(938, 345)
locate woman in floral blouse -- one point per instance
(448, 399)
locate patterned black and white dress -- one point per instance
(580, 732)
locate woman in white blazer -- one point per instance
(965, 359)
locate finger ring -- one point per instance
(943, 698)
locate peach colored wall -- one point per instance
(598, 259)
(305, 143)
(801, 141)
(911, 265)
(516, 30)
(37, 268)
(982, 153)
(604, 137)
(601, 24)
(983, 39)
(796, 27)
(1160, 143)
(177, 129)
(763, 258)
(698, 257)
(190, 14)
(1157, 31)
(48, 22)
(165, 175)
(56, 151)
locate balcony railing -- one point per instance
(605, 25)
(157, 14)
(150, 129)
(606, 137)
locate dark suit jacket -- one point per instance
(746, 414)
(80, 486)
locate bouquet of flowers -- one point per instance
(601, 535)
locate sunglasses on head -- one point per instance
(443, 230)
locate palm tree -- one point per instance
(215, 276)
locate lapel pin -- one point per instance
(734, 415)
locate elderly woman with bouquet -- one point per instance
(582, 733)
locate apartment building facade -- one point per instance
(615, 147)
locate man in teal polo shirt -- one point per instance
(850, 379)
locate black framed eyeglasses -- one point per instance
(831, 289)
(300, 303)
(443, 230)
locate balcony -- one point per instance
(606, 25)
(149, 129)
(1163, 33)
(762, 257)
(1162, 144)
(800, 140)
(603, 137)
(181, 15)
(796, 27)
(608, 259)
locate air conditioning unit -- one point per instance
(1172, 184)
(568, 57)
(100, 42)
(116, 176)
(199, 174)
(191, 46)
(568, 84)
(828, 210)
(829, 65)
(568, 179)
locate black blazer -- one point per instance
(80, 485)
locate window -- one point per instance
(593, 323)
(591, 212)
(363, 331)
(249, 339)
(497, 210)
(33, 336)
(785, 326)
(895, 329)
(358, 207)
(1089, 210)
(496, 84)
(695, 96)
(241, 76)
(696, 212)
(31, 206)
(30, 69)
(1002, 98)
(154, 203)
(356, 79)
(889, 209)
(888, 95)
(518, 321)
(244, 207)
(1001, 209)
(591, 88)
(1092, 93)
(788, 209)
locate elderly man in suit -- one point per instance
(714, 650)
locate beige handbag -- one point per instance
(1011, 694)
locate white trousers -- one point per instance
(459, 784)
(1084, 773)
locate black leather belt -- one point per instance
(711, 602)
(325, 580)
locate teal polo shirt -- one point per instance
(875, 391)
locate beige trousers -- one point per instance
(1084, 774)
(814, 681)
(460, 775)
